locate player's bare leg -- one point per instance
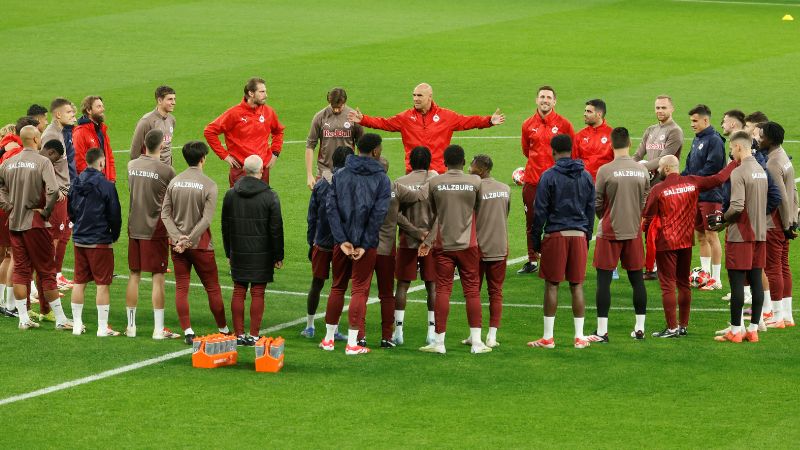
(312, 303)
(400, 296)
(550, 307)
(131, 301)
(712, 237)
(7, 306)
(578, 313)
(157, 296)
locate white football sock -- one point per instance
(716, 273)
(578, 327)
(787, 309)
(77, 318)
(10, 300)
(767, 302)
(475, 336)
(188, 331)
(439, 340)
(431, 318)
(310, 321)
(330, 331)
(77, 313)
(752, 327)
(705, 264)
(748, 295)
(55, 305)
(736, 329)
(399, 317)
(102, 319)
(492, 334)
(224, 330)
(131, 311)
(777, 310)
(602, 326)
(639, 322)
(22, 310)
(158, 319)
(2, 295)
(352, 338)
(549, 322)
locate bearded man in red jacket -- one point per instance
(247, 128)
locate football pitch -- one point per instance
(60, 390)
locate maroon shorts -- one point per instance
(59, 221)
(148, 255)
(235, 174)
(94, 264)
(704, 209)
(33, 250)
(608, 253)
(406, 265)
(745, 255)
(321, 262)
(563, 258)
(5, 234)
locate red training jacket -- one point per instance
(674, 203)
(593, 146)
(7, 139)
(247, 132)
(536, 134)
(433, 130)
(83, 138)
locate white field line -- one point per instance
(278, 327)
(455, 137)
(724, 2)
(162, 358)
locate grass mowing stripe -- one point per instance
(96, 377)
(140, 364)
(726, 2)
(169, 356)
(177, 147)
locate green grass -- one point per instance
(478, 56)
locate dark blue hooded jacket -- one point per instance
(358, 202)
(706, 158)
(319, 231)
(564, 201)
(94, 209)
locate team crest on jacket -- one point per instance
(554, 130)
(347, 124)
(171, 130)
(435, 117)
(261, 118)
(604, 140)
(700, 147)
(662, 137)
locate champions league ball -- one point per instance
(517, 174)
(699, 278)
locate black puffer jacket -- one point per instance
(252, 230)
